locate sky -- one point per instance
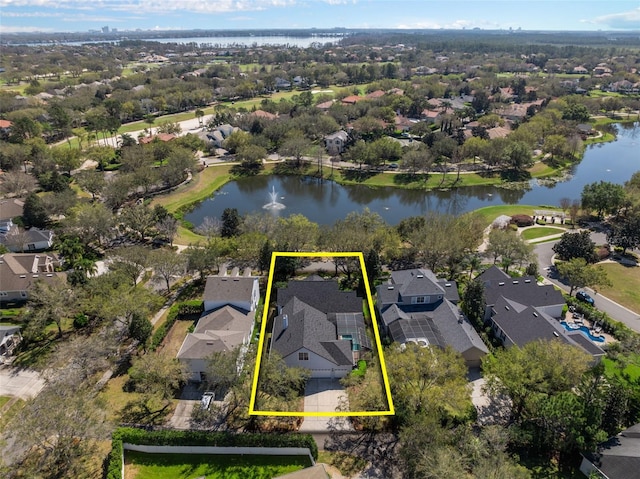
(84, 15)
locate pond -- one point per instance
(324, 202)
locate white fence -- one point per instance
(255, 451)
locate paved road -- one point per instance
(613, 309)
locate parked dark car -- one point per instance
(584, 297)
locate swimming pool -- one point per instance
(585, 331)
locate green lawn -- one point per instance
(540, 231)
(625, 287)
(4, 400)
(190, 466)
(490, 213)
(631, 367)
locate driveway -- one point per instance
(21, 383)
(323, 395)
(190, 396)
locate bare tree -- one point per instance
(167, 264)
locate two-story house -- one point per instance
(416, 307)
(336, 142)
(226, 324)
(520, 311)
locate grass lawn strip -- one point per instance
(625, 288)
(190, 466)
(540, 232)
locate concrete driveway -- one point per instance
(323, 395)
(21, 383)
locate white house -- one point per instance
(319, 327)
(225, 329)
(336, 142)
(226, 323)
(241, 292)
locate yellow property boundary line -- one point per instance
(265, 314)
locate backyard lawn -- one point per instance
(625, 287)
(631, 368)
(190, 466)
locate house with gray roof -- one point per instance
(11, 208)
(224, 329)
(242, 292)
(336, 142)
(319, 327)
(218, 134)
(20, 271)
(227, 323)
(19, 240)
(416, 307)
(617, 458)
(520, 311)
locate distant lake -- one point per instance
(213, 42)
(324, 202)
(248, 41)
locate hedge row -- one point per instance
(199, 438)
(114, 466)
(618, 330)
(177, 311)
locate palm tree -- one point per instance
(199, 115)
(473, 263)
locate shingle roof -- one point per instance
(325, 296)
(619, 457)
(10, 208)
(412, 282)
(308, 327)
(440, 322)
(226, 318)
(221, 330)
(589, 346)
(229, 289)
(455, 329)
(18, 271)
(493, 274)
(523, 290)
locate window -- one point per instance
(32, 246)
(420, 300)
(303, 356)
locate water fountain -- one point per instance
(273, 204)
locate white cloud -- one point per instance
(17, 29)
(626, 20)
(153, 6)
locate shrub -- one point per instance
(602, 252)
(522, 220)
(182, 310)
(114, 464)
(80, 321)
(541, 222)
(618, 330)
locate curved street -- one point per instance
(544, 252)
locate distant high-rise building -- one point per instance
(105, 29)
